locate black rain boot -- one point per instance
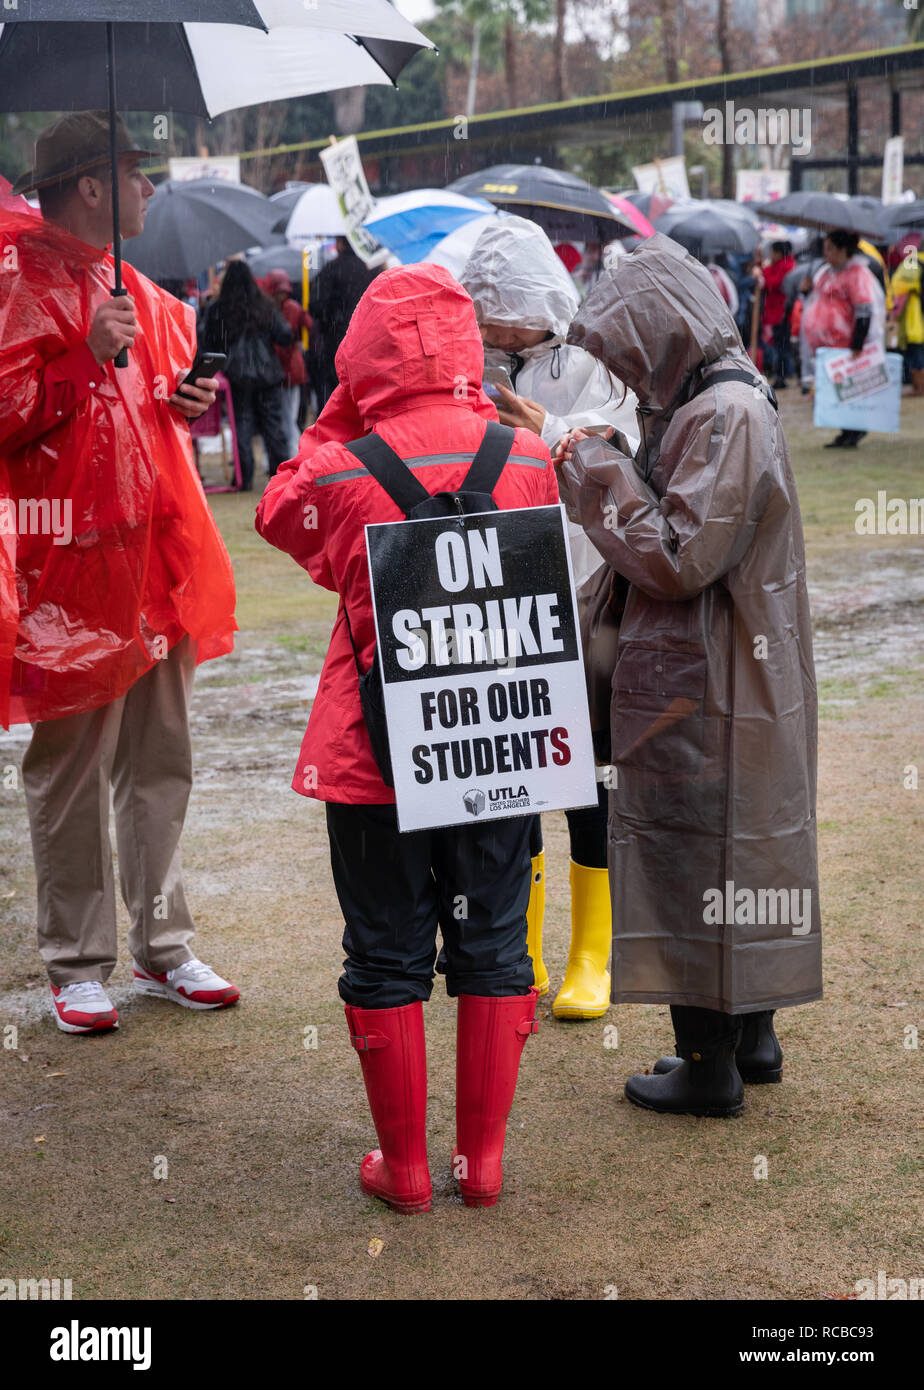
(759, 1057)
(707, 1081)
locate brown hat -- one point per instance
(71, 145)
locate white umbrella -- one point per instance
(316, 214)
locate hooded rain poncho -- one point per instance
(712, 831)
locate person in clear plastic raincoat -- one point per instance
(712, 831)
(524, 301)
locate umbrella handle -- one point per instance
(121, 358)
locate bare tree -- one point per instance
(561, 76)
(669, 45)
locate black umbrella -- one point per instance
(705, 232)
(192, 225)
(827, 212)
(51, 54)
(566, 207)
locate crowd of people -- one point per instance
(841, 291)
(642, 411)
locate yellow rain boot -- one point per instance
(535, 914)
(585, 992)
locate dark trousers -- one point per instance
(782, 366)
(471, 882)
(259, 411)
(586, 831)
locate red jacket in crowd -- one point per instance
(410, 369)
(774, 273)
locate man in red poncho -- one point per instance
(114, 582)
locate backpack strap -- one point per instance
(737, 374)
(488, 463)
(390, 471)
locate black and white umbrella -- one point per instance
(200, 57)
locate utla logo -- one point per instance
(473, 801)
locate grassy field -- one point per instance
(262, 1134)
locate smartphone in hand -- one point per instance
(494, 377)
(205, 365)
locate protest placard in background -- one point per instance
(858, 393)
(343, 167)
(481, 664)
(226, 167)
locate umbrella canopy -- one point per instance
(906, 215)
(312, 211)
(725, 207)
(639, 221)
(197, 223)
(651, 204)
(566, 207)
(412, 224)
(706, 232)
(825, 212)
(197, 56)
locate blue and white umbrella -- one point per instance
(412, 224)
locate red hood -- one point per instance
(413, 340)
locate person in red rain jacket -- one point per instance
(292, 359)
(773, 314)
(114, 582)
(409, 368)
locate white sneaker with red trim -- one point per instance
(192, 984)
(84, 1007)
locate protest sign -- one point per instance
(893, 170)
(481, 664)
(224, 167)
(343, 167)
(857, 374)
(667, 176)
(858, 393)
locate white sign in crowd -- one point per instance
(481, 665)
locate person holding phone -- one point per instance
(524, 302)
(118, 582)
(246, 325)
(712, 827)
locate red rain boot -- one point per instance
(490, 1039)
(392, 1051)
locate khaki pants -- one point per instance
(140, 744)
